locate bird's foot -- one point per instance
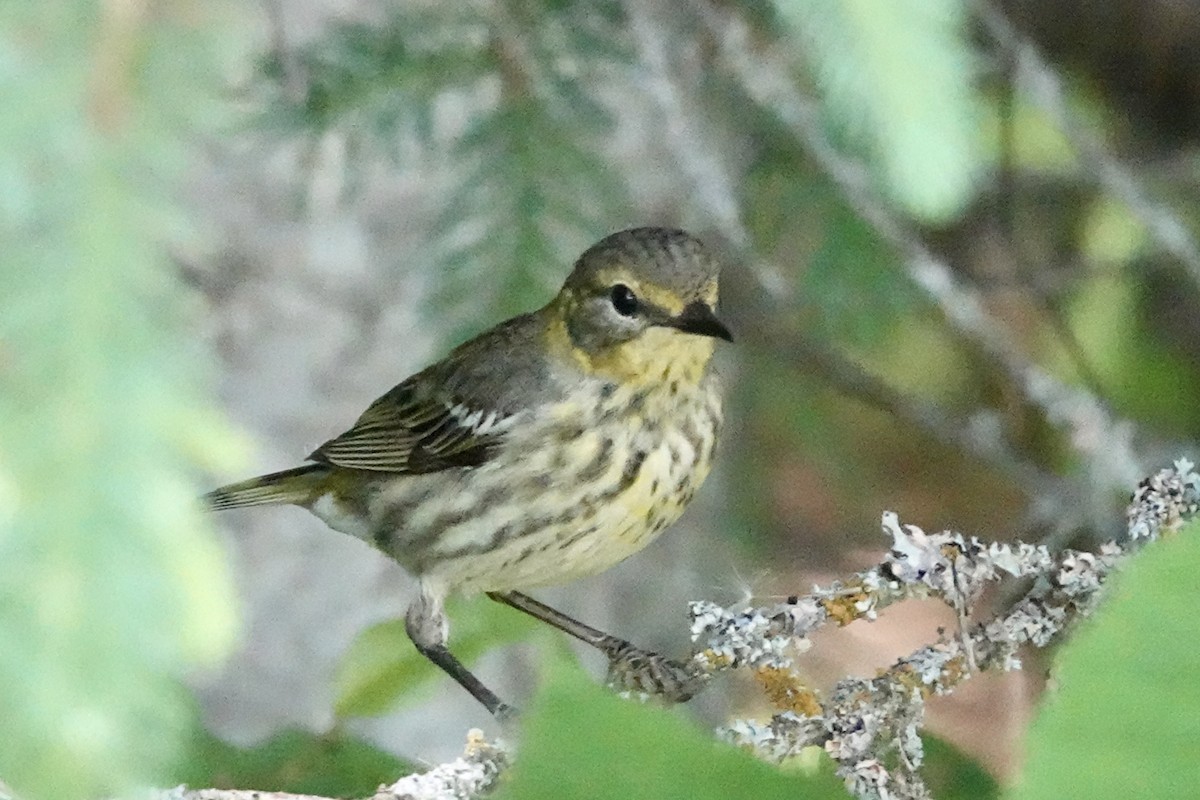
(632, 669)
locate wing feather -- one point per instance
(456, 412)
(411, 431)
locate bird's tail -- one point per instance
(299, 486)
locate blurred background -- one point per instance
(961, 268)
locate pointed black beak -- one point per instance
(699, 319)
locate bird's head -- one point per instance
(641, 302)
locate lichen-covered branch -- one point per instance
(473, 774)
(870, 726)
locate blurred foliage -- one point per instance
(1027, 135)
(382, 668)
(1145, 376)
(579, 741)
(1122, 716)
(851, 289)
(111, 584)
(900, 76)
(533, 188)
(334, 764)
(376, 81)
(518, 109)
(514, 83)
(951, 774)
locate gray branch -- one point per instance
(473, 774)
(864, 724)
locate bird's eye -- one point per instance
(624, 300)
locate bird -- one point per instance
(547, 448)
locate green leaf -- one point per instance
(299, 762)
(383, 668)
(899, 75)
(1124, 720)
(579, 740)
(951, 774)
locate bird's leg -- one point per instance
(629, 668)
(426, 625)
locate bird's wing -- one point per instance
(456, 412)
(414, 429)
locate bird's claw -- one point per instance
(635, 670)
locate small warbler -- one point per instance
(548, 448)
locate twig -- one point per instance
(472, 775)
(695, 155)
(289, 65)
(1046, 89)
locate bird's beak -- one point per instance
(699, 319)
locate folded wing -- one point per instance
(413, 429)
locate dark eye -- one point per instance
(624, 300)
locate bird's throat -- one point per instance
(660, 357)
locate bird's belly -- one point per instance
(557, 513)
(591, 540)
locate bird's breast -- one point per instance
(580, 486)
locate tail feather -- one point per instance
(295, 486)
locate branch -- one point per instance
(474, 774)
(867, 724)
(1046, 90)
